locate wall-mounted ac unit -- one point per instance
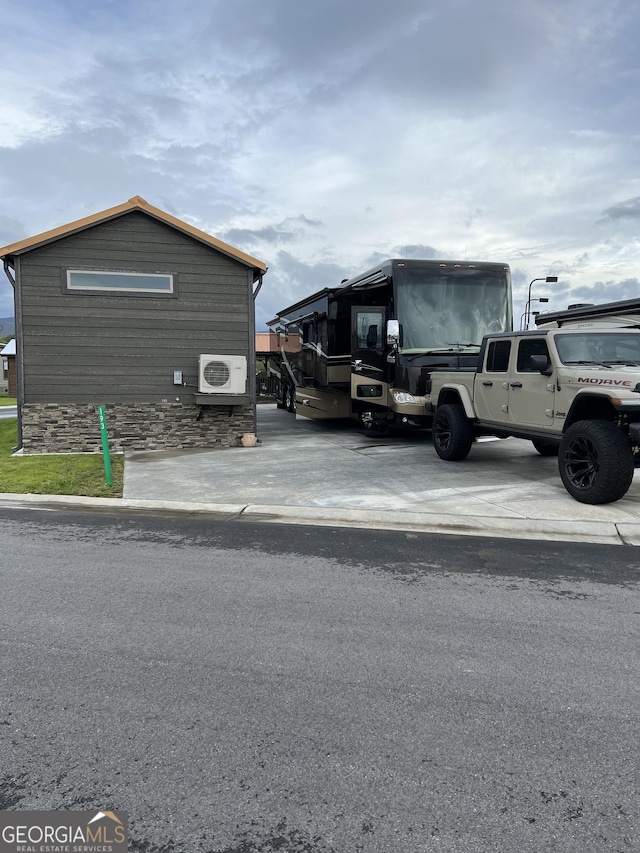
(222, 374)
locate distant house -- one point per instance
(272, 342)
(271, 349)
(8, 356)
(116, 309)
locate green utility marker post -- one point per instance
(105, 446)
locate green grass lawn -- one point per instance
(67, 474)
(7, 401)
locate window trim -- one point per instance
(359, 344)
(120, 291)
(492, 346)
(521, 365)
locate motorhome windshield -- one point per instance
(450, 309)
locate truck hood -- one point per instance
(594, 375)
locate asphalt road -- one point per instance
(244, 688)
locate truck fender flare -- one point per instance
(457, 394)
(604, 406)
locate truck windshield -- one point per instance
(450, 309)
(599, 348)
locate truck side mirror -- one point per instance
(540, 364)
(393, 332)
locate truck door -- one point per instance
(368, 360)
(492, 384)
(531, 394)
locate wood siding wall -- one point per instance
(123, 348)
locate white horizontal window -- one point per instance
(130, 282)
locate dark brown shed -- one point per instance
(116, 309)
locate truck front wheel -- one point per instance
(452, 433)
(596, 462)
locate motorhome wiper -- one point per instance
(410, 356)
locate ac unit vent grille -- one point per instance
(222, 374)
(216, 373)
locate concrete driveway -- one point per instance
(329, 472)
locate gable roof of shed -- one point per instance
(135, 203)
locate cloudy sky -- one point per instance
(323, 135)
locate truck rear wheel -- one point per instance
(596, 462)
(452, 433)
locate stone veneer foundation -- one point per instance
(71, 428)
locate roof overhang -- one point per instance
(8, 253)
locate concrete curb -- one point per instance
(96, 504)
(425, 522)
(609, 533)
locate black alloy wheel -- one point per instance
(452, 433)
(596, 462)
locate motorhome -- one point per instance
(623, 313)
(370, 344)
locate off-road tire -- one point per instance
(452, 433)
(289, 398)
(596, 462)
(544, 448)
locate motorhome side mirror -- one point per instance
(393, 331)
(540, 364)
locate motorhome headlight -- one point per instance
(403, 396)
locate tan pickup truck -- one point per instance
(573, 391)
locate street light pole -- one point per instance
(548, 279)
(528, 312)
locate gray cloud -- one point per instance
(420, 50)
(412, 250)
(415, 250)
(629, 209)
(607, 291)
(289, 279)
(284, 232)
(250, 237)
(344, 131)
(577, 265)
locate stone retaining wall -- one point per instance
(69, 428)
